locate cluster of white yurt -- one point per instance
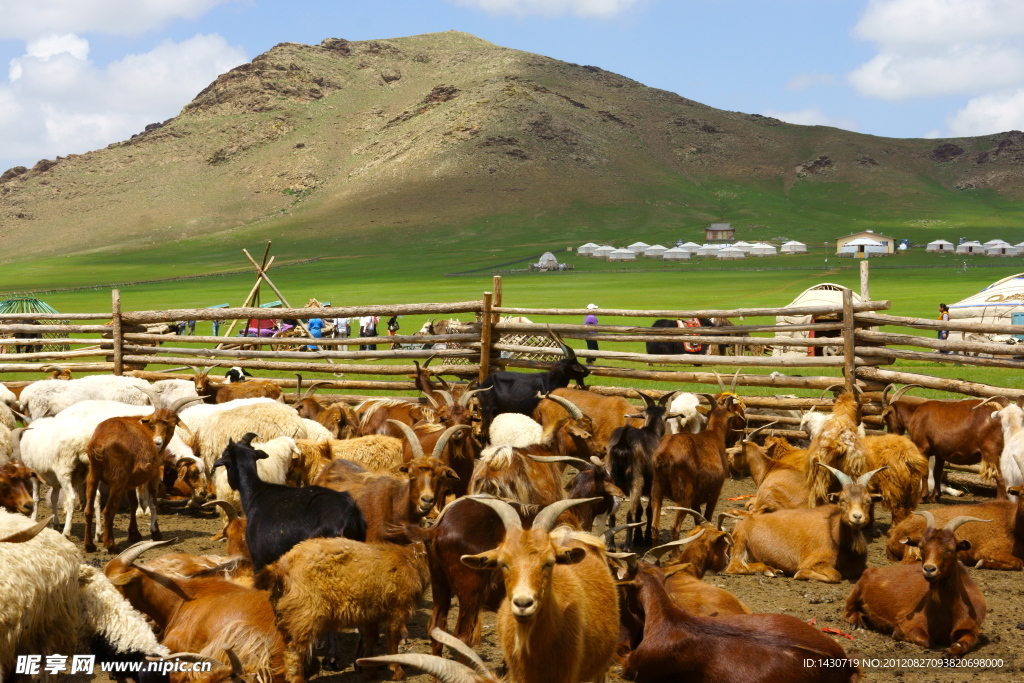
(587, 249)
(602, 252)
(638, 247)
(793, 247)
(745, 247)
(1001, 248)
(622, 255)
(655, 251)
(709, 249)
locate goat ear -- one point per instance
(146, 419)
(876, 497)
(450, 473)
(833, 497)
(909, 542)
(1016, 491)
(487, 560)
(963, 545)
(570, 555)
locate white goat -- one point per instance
(690, 419)
(513, 429)
(1011, 462)
(49, 397)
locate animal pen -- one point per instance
(866, 349)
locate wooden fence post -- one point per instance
(865, 285)
(485, 337)
(496, 301)
(116, 334)
(849, 344)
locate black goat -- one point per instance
(629, 461)
(517, 392)
(279, 517)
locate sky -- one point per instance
(82, 74)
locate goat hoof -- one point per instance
(115, 549)
(331, 664)
(136, 538)
(90, 547)
(157, 536)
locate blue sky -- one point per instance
(84, 73)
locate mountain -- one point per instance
(422, 136)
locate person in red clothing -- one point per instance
(591, 319)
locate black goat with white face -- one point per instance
(279, 517)
(517, 392)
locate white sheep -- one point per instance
(273, 469)
(48, 397)
(50, 603)
(513, 429)
(690, 419)
(170, 390)
(5, 444)
(7, 396)
(1011, 462)
(7, 418)
(316, 431)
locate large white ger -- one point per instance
(824, 294)
(794, 247)
(995, 304)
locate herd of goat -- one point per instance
(338, 518)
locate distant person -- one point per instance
(591, 319)
(341, 328)
(316, 328)
(393, 328)
(944, 317)
(368, 328)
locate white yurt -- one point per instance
(602, 252)
(676, 254)
(996, 243)
(622, 255)
(638, 247)
(824, 294)
(655, 251)
(709, 250)
(1003, 249)
(548, 261)
(862, 245)
(940, 246)
(731, 253)
(995, 304)
(794, 247)
(745, 247)
(970, 248)
(763, 249)
(689, 246)
(587, 249)
(1021, 245)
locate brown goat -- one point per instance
(559, 622)
(462, 448)
(125, 452)
(338, 418)
(781, 485)
(825, 543)
(374, 415)
(690, 469)
(839, 445)
(949, 431)
(15, 495)
(934, 603)
(899, 486)
(607, 413)
(999, 545)
(222, 393)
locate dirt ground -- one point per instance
(1002, 635)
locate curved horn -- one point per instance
(24, 418)
(444, 383)
(648, 401)
(659, 550)
(508, 515)
(609, 534)
(885, 401)
(426, 363)
(751, 435)
(598, 463)
(154, 398)
(986, 402)
(199, 463)
(721, 516)
(298, 388)
(447, 397)
(711, 400)
(445, 670)
(433, 402)
(863, 479)
(410, 435)
(834, 386)
(467, 397)
(182, 402)
(955, 523)
(314, 386)
(229, 510)
(578, 463)
(546, 518)
(443, 440)
(663, 401)
(902, 390)
(236, 664)
(565, 347)
(843, 478)
(857, 391)
(697, 517)
(248, 437)
(569, 406)
(721, 384)
(735, 378)
(461, 648)
(929, 518)
(129, 556)
(26, 534)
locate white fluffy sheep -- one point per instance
(690, 420)
(7, 396)
(5, 444)
(170, 390)
(48, 397)
(1011, 462)
(316, 431)
(7, 416)
(52, 604)
(272, 469)
(513, 429)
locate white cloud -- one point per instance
(811, 116)
(30, 19)
(62, 103)
(601, 9)
(939, 22)
(992, 113)
(804, 81)
(933, 133)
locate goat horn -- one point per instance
(24, 418)
(314, 386)
(609, 534)
(711, 400)
(443, 441)
(735, 379)
(248, 437)
(751, 435)
(453, 643)
(578, 463)
(182, 402)
(721, 384)
(467, 397)
(16, 442)
(986, 402)
(697, 517)
(444, 382)
(843, 478)
(546, 518)
(929, 518)
(229, 510)
(863, 479)
(902, 390)
(129, 556)
(955, 523)
(236, 664)
(834, 386)
(199, 463)
(721, 516)
(444, 670)
(27, 534)
(648, 401)
(426, 363)
(298, 388)
(565, 347)
(154, 397)
(433, 401)
(659, 550)
(598, 463)
(508, 515)
(447, 397)
(663, 401)
(569, 406)
(410, 435)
